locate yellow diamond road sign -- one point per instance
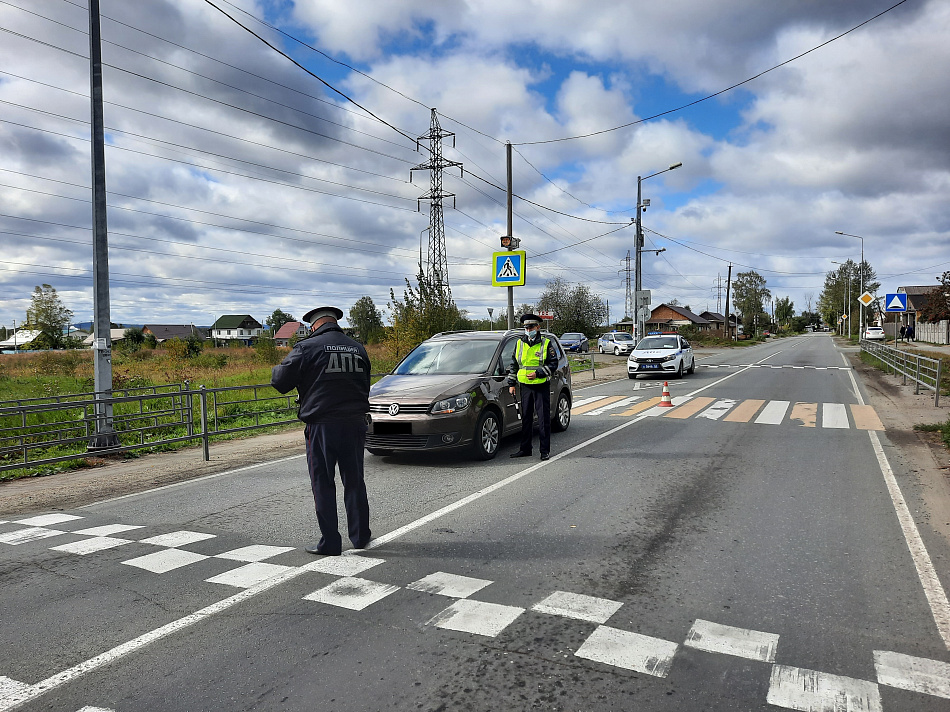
(866, 299)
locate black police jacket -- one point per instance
(330, 372)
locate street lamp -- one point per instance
(861, 318)
(638, 240)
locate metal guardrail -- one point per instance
(42, 431)
(580, 359)
(923, 371)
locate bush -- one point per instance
(266, 349)
(210, 360)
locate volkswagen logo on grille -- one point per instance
(394, 409)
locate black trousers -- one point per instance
(536, 399)
(328, 445)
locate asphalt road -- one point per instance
(681, 559)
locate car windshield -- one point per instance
(657, 342)
(622, 336)
(572, 337)
(433, 358)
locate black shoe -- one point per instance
(322, 551)
(362, 544)
(545, 456)
(520, 454)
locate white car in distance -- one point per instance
(660, 354)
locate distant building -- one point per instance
(163, 332)
(668, 317)
(115, 335)
(286, 332)
(20, 339)
(236, 327)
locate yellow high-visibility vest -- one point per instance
(530, 358)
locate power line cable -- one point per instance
(718, 93)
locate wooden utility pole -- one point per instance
(728, 284)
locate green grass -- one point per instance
(942, 428)
(54, 374)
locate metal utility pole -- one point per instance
(728, 285)
(639, 245)
(511, 290)
(437, 268)
(105, 436)
(631, 308)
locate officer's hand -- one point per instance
(539, 374)
(511, 390)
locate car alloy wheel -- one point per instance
(679, 371)
(562, 414)
(487, 436)
(616, 350)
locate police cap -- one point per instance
(321, 312)
(531, 319)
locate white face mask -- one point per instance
(530, 332)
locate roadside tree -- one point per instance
(937, 307)
(575, 308)
(49, 315)
(750, 295)
(422, 312)
(784, 310)
(367, 319)
(278, 319)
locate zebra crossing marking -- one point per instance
(930, 677)
(800, 689)
(578, 606)
(630, 651)
(807, 413)
(352, 593)
(478, 617)
(773, 413)
(865, 417)
(834, 415)
(689, 409)
(718, 409)
(601, 401)
(728, 640)
(744, 411)
(729, 410)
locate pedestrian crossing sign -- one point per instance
(508, 269)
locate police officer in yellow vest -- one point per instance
(532, 365)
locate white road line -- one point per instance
(813, 691)
(933, 590)
(91, 545)
(584, 401)
(740, 642)
(9, 686)
(658, 410)
(343, 565)
(16, 698)
(10, 699)
(773, 413)
(354, 594)
(451, 585)
(467, 616)
(180, 538)
(257, 552)
(630, 651)
(929, 677)
(834, 415)
(47, 519)
(248, 575)
(578, 606)
(108, 530)
(22, 536)
(610, 406)
(192, 481)
(164, 561)
(718, 409)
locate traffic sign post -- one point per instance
(896, 303)
(508, 269)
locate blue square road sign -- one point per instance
(895, 302)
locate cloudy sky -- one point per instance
(239, 183)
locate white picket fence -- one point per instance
(936, 332)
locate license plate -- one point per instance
(646, 366)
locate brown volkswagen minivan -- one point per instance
(451, 392)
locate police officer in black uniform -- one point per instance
(533, 363)
(331, 374)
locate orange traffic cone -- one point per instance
(665, 400)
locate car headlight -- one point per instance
(671, 357)
(451, 405)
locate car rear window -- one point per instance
(448, 357)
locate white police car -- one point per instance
(661, 353)
(615, 342)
